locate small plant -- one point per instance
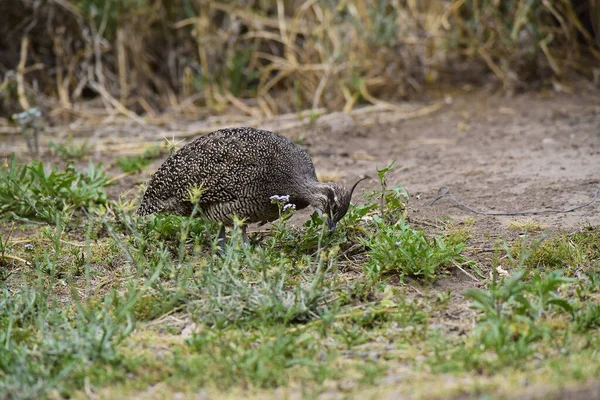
(167, 227)
(588, 318)
(513, 310)
(70, 150)
(401, 249)
(31, 192)
(588, 285)
(543, 289)
(392, 202)
(351, 336)
(139, 163)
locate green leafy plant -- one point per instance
(139, 163)
(401, 249)
(31, 192)
(588, 285)
(543, 288)
(588, 318)
(512, 311)
(69, 150)
(392, 202)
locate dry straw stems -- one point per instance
(264, 58)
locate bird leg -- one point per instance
(221, 240)
(245, 235)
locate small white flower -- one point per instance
(285, 198)
(289, 205)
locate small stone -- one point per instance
(188, 331)
(548, 141)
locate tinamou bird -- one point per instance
(237, 172)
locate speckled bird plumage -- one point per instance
(237, 171)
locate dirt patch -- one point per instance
(534, 151)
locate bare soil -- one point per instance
(497, 153)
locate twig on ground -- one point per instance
(9, 257)
(115, 103)
(118, 177)
(457, 265)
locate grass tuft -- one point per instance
(139, 163)
(408, 252)
(527, 226)
(34, 192)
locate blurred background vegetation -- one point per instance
(269, 57)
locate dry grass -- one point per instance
(267, 58)
(526, 226)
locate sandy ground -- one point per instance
(496, 153)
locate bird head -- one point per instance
(334, 200)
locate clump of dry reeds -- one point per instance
(269, 57)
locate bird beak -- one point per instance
(331, 225)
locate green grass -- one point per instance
(36, 192)
(98, 299)
(70, 150)
(405, 251)
(578, 251)
(139, 163)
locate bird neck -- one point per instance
(317, 194)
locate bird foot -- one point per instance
(222, 238)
